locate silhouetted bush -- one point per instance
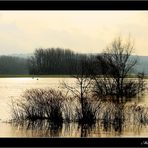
(115, 64)
(88, 114)
(40, 104)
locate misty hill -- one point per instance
(142, 65)
(24, 56)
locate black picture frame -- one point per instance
(74, 5)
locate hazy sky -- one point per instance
(80, 31)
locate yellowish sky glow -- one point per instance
(80, 31)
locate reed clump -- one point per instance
(55, 108)
(39, 104)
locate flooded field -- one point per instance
(13, 88)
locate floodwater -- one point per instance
(13, 88)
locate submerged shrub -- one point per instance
(87, 113)
(39, 104)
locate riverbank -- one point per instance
(52, 76)
(36, 76)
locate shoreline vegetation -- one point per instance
(36, 76)
(56, 76)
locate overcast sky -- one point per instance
(80, 31)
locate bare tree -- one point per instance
(116, 63)
(86, 105)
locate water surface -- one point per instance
(13, 88)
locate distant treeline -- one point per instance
(53, 61)
(56, 61)
(10, 65)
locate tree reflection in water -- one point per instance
(108, 126)
(112, 120)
